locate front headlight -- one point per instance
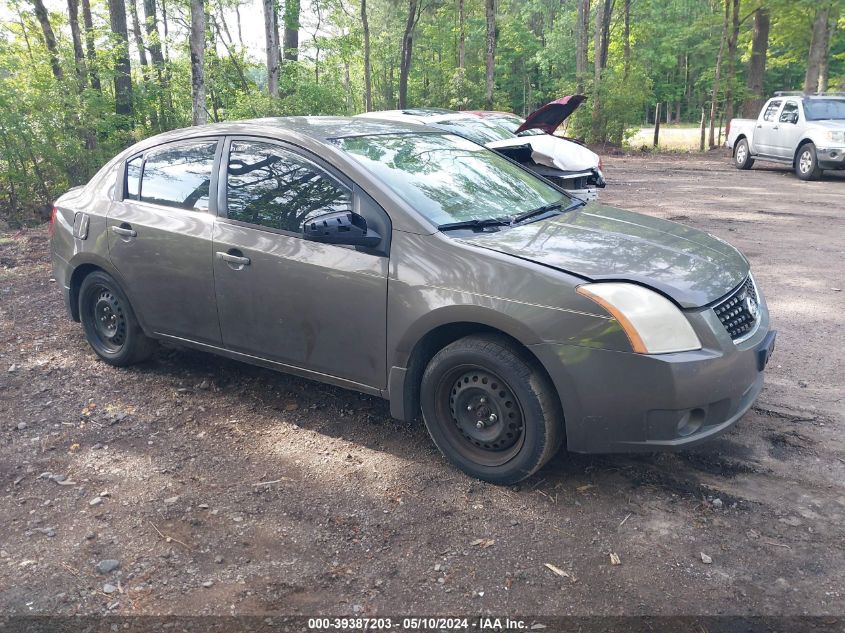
(653, 324)
(835, 136)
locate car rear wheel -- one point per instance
(490, 409)
(742, 155)
(807, 163)
(109, 323)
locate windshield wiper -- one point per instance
(545, 209)
(475, 224)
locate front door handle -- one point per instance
(776, 128)
(124, 231)
(238, 260)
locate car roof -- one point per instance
(319, 128)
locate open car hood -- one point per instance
(602, 243)
(550, 116)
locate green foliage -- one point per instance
(54, 135)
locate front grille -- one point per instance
(739, 311)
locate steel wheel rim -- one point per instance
(741, 154)
(805, 163)
(108, 319)
(480, 415)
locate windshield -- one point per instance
(474, 129)
(820, 109)
(448, 179)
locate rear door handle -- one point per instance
(776, 128)
(125, 232)
(233, 259)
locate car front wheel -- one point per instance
(742, 155)
(807, 163)
(109, 323)
(490, 409)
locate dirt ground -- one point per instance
(221, 488)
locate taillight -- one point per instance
(601, 165)
(53, 220)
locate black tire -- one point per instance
(486, 378)
(742, 155)
(807, 163)
(109, 322)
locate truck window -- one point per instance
(771, 110)
(789, 114)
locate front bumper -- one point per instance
(831, 158)
(625, 402)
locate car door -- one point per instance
(764, 134)
(789, 129)
(314, 306)
(160, 237)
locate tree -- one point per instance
(199, 114)
(271, 38)
(139, 39)
(291, 37)
(90, 49)
(582, 28)
(818, 47)
(368, 73)
(78, 52)
(461, 36)
(733, 37)
(757, 64)
(490, 56)
(601, 38)
(122, 65)
(49, 39)
(714, 98)
(407, 51)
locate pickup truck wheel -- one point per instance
(490, 409)
(807, 163)
(109, 323)
(742, 155)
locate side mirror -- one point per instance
(340, 227)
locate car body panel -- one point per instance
(550, 116)
(602, 243)
(358, 320)
(554, 151)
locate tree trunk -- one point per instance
(757, 64)
(462, 36)
(626, 37)
(733, 37)
(582, 37)
(605, 31)
(78, 51)
(122, 66)
(240, 31)
(824, 67)
(597, 71)
(291, 40)
(271, 35)
(490, 56)
(407, 50)
(49, 39)
(714, 100)
(90, 50)
(139, 39)
(368, 71)
(818, 48)
(197, 37)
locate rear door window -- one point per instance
(179, 175)
(272, 187)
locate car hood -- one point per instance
(553, 151)
(603, 243)
(549, 117)
(828, 124)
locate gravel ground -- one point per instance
(196, 485)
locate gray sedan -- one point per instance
(412, 264)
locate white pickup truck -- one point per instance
(805, 131)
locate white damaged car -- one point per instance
(567, 163)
